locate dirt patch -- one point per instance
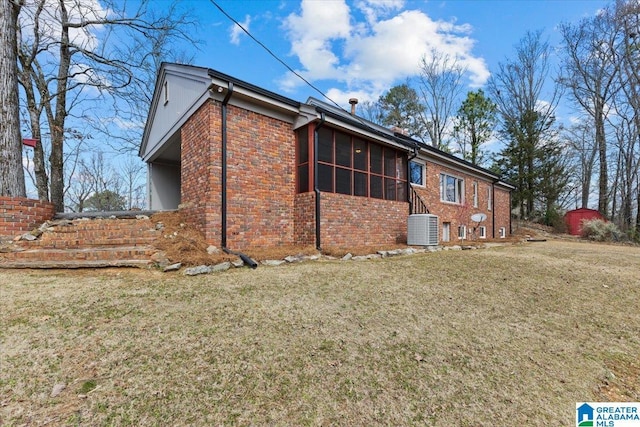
(183, 243)
(622, 382)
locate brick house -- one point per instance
(249, 167)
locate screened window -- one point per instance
(451, 189)
(349, 165)
(303, 160)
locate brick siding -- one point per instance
(260, 177)
(361, 221)
(460, 214)
(18, 215)
(263, 209)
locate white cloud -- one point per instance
(370, 55)
(236, 31)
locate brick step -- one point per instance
(106, 255)
(76, 264)
(79, 242)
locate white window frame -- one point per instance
(423, 164)
(503, 232)
(446, 231)
(489, 198)
(462, 232)
(458, 189)
(475, 194)
(482, 232)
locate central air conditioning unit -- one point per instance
(422, 230)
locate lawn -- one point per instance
(512, 335)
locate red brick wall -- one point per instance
(260, 177)
(18, 215)
(503, 211)
(460, 214)
(262, 207)
(304, 221)
(355, 221)
(261, 180)
(201, 169)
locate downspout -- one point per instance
(510, 227)
(493, 210)
(245, 258)
(413, 156)
(316, 190)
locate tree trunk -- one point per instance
(56, 158)
(12, 176)
(603, 178)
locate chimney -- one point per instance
(353, 102)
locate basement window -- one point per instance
(482, 232)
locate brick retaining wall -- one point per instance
(19, 215)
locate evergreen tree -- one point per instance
(476, 120)
(400, 107)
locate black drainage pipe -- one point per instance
(245, 258)
(316, 189)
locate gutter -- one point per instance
(245, 258)
(316, 190)
(493, 209)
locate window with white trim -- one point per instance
(462, 232)
(489, 201)
(503, 232)
(451, 189)
(482, 232)
(475, 194)
(416, 172)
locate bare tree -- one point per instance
(440, 85)
(580, 139)
(590, 70)
(370, 111)
(67, 73)
(132, 173)
(12, 175)
(518, 89)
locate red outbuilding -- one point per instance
(574, 219)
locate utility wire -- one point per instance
(276, 57)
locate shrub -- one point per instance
(600, 230)
(554, 219)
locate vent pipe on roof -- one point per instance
(353, 102)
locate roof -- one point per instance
(404, 140)
(340, 117)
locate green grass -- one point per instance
(505, 336)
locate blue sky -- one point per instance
(361, 48)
